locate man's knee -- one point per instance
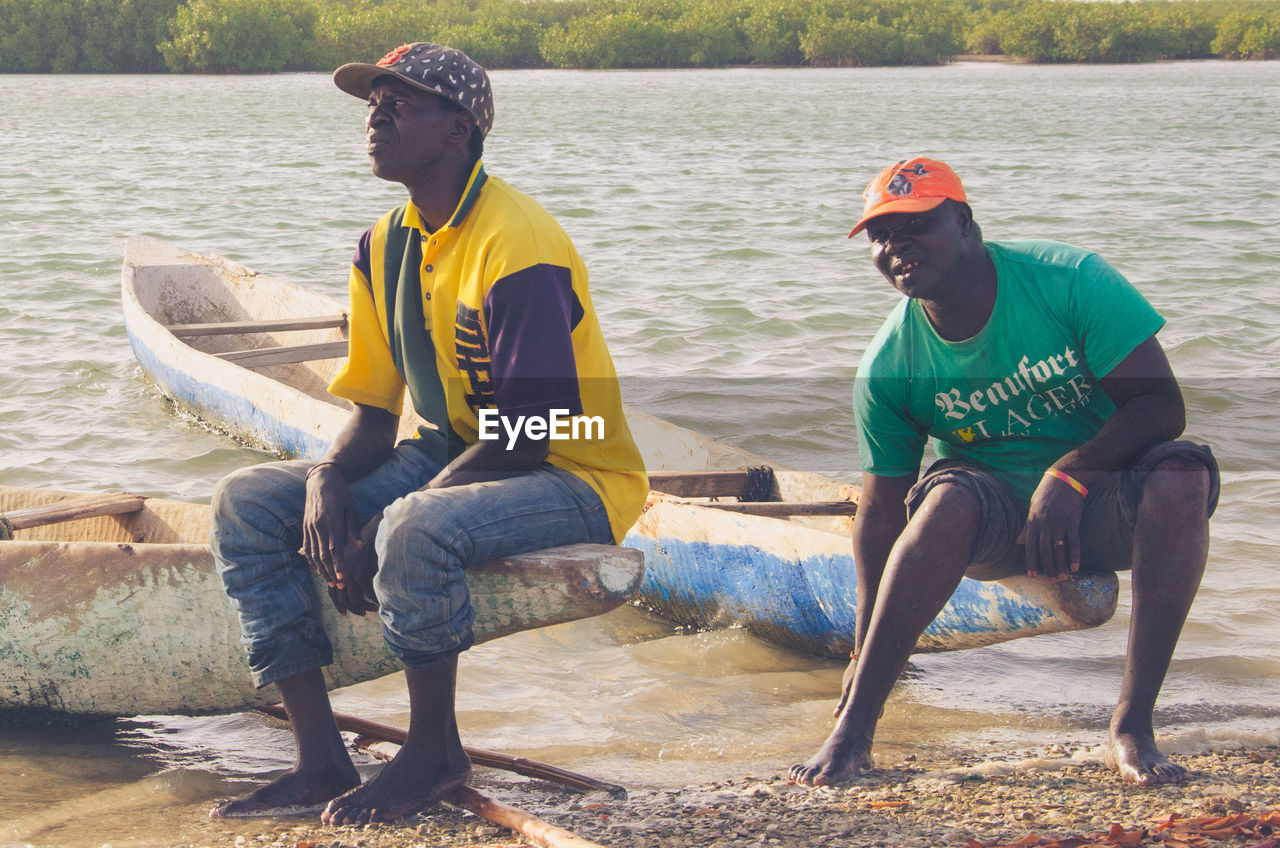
(1178, 485)
(252, 484)
(232, 494)
(952, 503)
(260, 499)
(227, 490)
(419, 549)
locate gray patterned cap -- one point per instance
(445, 71)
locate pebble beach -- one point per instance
(1060, 796)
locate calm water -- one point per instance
(711, 207)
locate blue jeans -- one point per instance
(424, 544)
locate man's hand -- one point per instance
(1052, 534)
(355, 592)
(329, 525)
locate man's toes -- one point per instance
(807, 775)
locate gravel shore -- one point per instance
(1030, 798)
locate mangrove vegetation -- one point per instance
(249, 36)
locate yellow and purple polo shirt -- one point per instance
(490, 313)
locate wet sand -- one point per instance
(1032, 798)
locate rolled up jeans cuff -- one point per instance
(423, 660)
(292, 658)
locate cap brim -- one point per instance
(356, 78)
(904, 204)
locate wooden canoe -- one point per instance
(125, 615)
(787, 579)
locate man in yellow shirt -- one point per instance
(473, 299)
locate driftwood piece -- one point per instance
(534, 829)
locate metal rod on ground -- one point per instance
(488, 759)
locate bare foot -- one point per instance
(1137, 759)
(292, 793)
(410, 783)
(837, 761)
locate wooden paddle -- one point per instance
(90, 506)
(490, 759)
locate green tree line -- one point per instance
(242, 36)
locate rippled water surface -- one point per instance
(711, 207)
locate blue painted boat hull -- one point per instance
(797, 587)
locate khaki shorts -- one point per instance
(1106, 527)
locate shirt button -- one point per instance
(428, 295)
(429, 268)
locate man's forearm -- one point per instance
(1149, 410)
(491, 460)
(1142, 421)
(363, 443)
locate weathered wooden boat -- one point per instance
(253, 356)
(110, 605)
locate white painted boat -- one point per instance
(125, 615)
(790, 580)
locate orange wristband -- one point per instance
(1068, 479)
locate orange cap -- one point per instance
(912, 185)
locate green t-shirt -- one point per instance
(1020, 393)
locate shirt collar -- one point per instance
(413, 218)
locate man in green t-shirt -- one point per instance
(1034, 369)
